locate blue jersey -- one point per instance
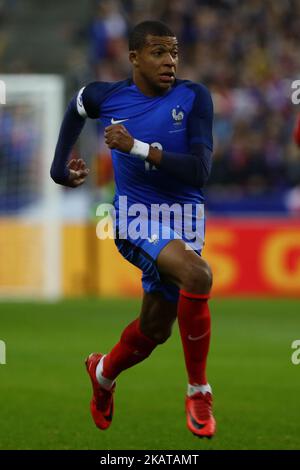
(172, 122)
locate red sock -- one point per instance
(194, 326)
(132, 348)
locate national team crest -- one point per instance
(177, 115)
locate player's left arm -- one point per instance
(192, 168)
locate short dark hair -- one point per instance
(137, 37)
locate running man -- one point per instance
(159, 129)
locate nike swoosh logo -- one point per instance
(195, 423)
(196, 338)
(110, 415)
(118, 121)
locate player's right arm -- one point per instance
(85, 104)
(74, 172)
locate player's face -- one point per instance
(155, 64)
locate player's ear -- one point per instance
(133, 58)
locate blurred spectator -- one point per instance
(19, 151)
(107, 36)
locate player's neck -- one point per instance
(146, 88)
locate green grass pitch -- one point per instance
(45, 390)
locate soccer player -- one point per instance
(159, 129)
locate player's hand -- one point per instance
(118, 137)
(78, 172)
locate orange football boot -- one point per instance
(102, 403)
(200, 420)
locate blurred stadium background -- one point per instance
(247, 53)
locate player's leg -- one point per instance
(157, 316)
(193, 276)
(139, 338)
(135, 344)
(137, 341)
(185, 268)
(132, 348)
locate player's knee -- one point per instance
(197, 277)
(156, 332)
(161, 336)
